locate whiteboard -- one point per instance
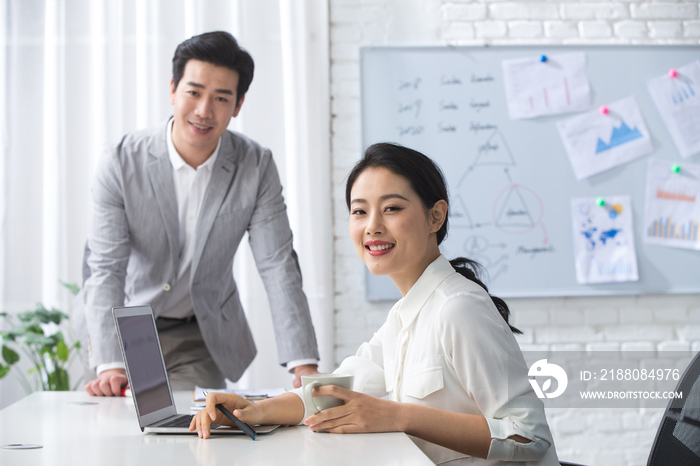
(449, 103)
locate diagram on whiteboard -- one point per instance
(604, 240)
(597, 141)
(493, 256)
(491, 151)
(672, 207)
(677, 97)
(619, 136)
(542, 85)
(682, 91)
(513, 209)
(518, 209)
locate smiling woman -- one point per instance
(416, 176)
(446, 357)
(389, 226)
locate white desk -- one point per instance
(107, 433)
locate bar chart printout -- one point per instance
(537, 86)
(667, 228)
(678, 101)
(672, 209)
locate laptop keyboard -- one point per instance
(182, 421)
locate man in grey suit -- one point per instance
(170, 206)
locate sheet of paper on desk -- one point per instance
(252, 393)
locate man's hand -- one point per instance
(109, 383)
(304, 370)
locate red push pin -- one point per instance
(603, 110)
(673, 73)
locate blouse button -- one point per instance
(166, 286)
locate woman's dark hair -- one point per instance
(428, 181)
(218, 48)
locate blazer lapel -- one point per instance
(219, 183)
(160, 172)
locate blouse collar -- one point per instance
(410, 305)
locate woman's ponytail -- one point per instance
(471, 270)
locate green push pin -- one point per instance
(600, 201)
(675, 168)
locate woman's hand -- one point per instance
(360, 413)
(240, 407)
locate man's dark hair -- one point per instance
(218, 48)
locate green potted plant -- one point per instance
(38, 336)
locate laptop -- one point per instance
(148, 378)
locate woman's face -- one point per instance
(392, 231)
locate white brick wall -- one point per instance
(665, 29)
(646, 323)
(674, 11)
(691, 29)
(594, 29)
(630, 29)
(524, 29)
(582, 11)
(464, 12)
(560, 29)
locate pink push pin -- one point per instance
(603, 110)
(673, 73)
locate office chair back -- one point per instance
(678, 442)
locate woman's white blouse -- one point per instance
(445, 345)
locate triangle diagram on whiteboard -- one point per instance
(494, 151)
(514, 211)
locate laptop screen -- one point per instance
(149, 382)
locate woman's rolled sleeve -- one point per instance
(504, 448)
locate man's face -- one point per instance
(204, 103)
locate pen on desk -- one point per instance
(240, 424)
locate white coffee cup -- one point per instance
(319, 403)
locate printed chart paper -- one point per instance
(678, 101)
(557, 85)
(597, 142)
(604, 240)
(672, 209)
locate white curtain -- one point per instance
(78, 74)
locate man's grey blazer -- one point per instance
(135, 256)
